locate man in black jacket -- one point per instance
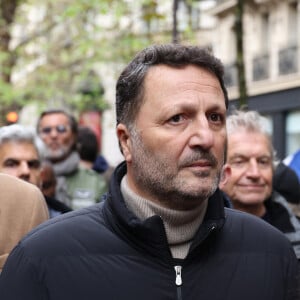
(162, 232)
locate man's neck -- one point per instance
(180, 226)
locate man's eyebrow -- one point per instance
(9, 159)
(34, 160)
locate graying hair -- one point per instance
(250, 121)
(19, 134)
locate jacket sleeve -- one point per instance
(293, 277)
(20, 272)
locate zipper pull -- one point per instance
(178, 279)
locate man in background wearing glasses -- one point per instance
(76, 187)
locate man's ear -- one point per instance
(225, 174)
(124, 141)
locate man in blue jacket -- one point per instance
(162, 231)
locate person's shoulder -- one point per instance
(248, 221)
(255, 232)
(66, 230)
(72, 220)
(11, 183)
(21, 195)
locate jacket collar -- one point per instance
(150, 233)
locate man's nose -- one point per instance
(24, 168)
(53, 133)
(201, 134)
(253, 168)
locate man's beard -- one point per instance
(57, 154)
(160, 177)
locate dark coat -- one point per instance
(286, 183)
(104, 252)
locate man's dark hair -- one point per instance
(72, 120)
(129, 88)
(87, 144)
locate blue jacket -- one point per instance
(104, 252)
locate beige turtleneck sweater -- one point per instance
(180, 226)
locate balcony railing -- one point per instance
(230, 76)
(288, 62)
(260, 67)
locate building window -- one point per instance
(260, 62)
(265, 33)
(293, 132)
(260, 67)
(288, 62)
(292, 23)
(230, 75)
(288, 56)
(269, 124)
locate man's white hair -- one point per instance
(250, 121)
(20, 134)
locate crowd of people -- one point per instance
(200, 208)
(49, 159)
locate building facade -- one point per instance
(272, 62)
(271, 51)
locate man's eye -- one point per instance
(11, 163)
(216, 117)
(34, 164)
(238, 163)
(265, 162)
(176, 119)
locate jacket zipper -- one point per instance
(178, 281)
(178, 269)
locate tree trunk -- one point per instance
(240, 54)
(7, 14)
(175, 38)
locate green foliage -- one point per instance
(82, 103)
(9, 95)
(59, 46)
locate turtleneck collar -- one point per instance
(180, 226)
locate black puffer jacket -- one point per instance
(104, 252)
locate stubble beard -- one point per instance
(155, 174)
(56, 155)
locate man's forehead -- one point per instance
(183, 79)
(13, 148)
(55, 117)
(247, 150)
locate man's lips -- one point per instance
(200, 160)
(252, 187)
(54, 146)
(199, 166)
(202, 164)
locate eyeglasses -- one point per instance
(59, 129)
